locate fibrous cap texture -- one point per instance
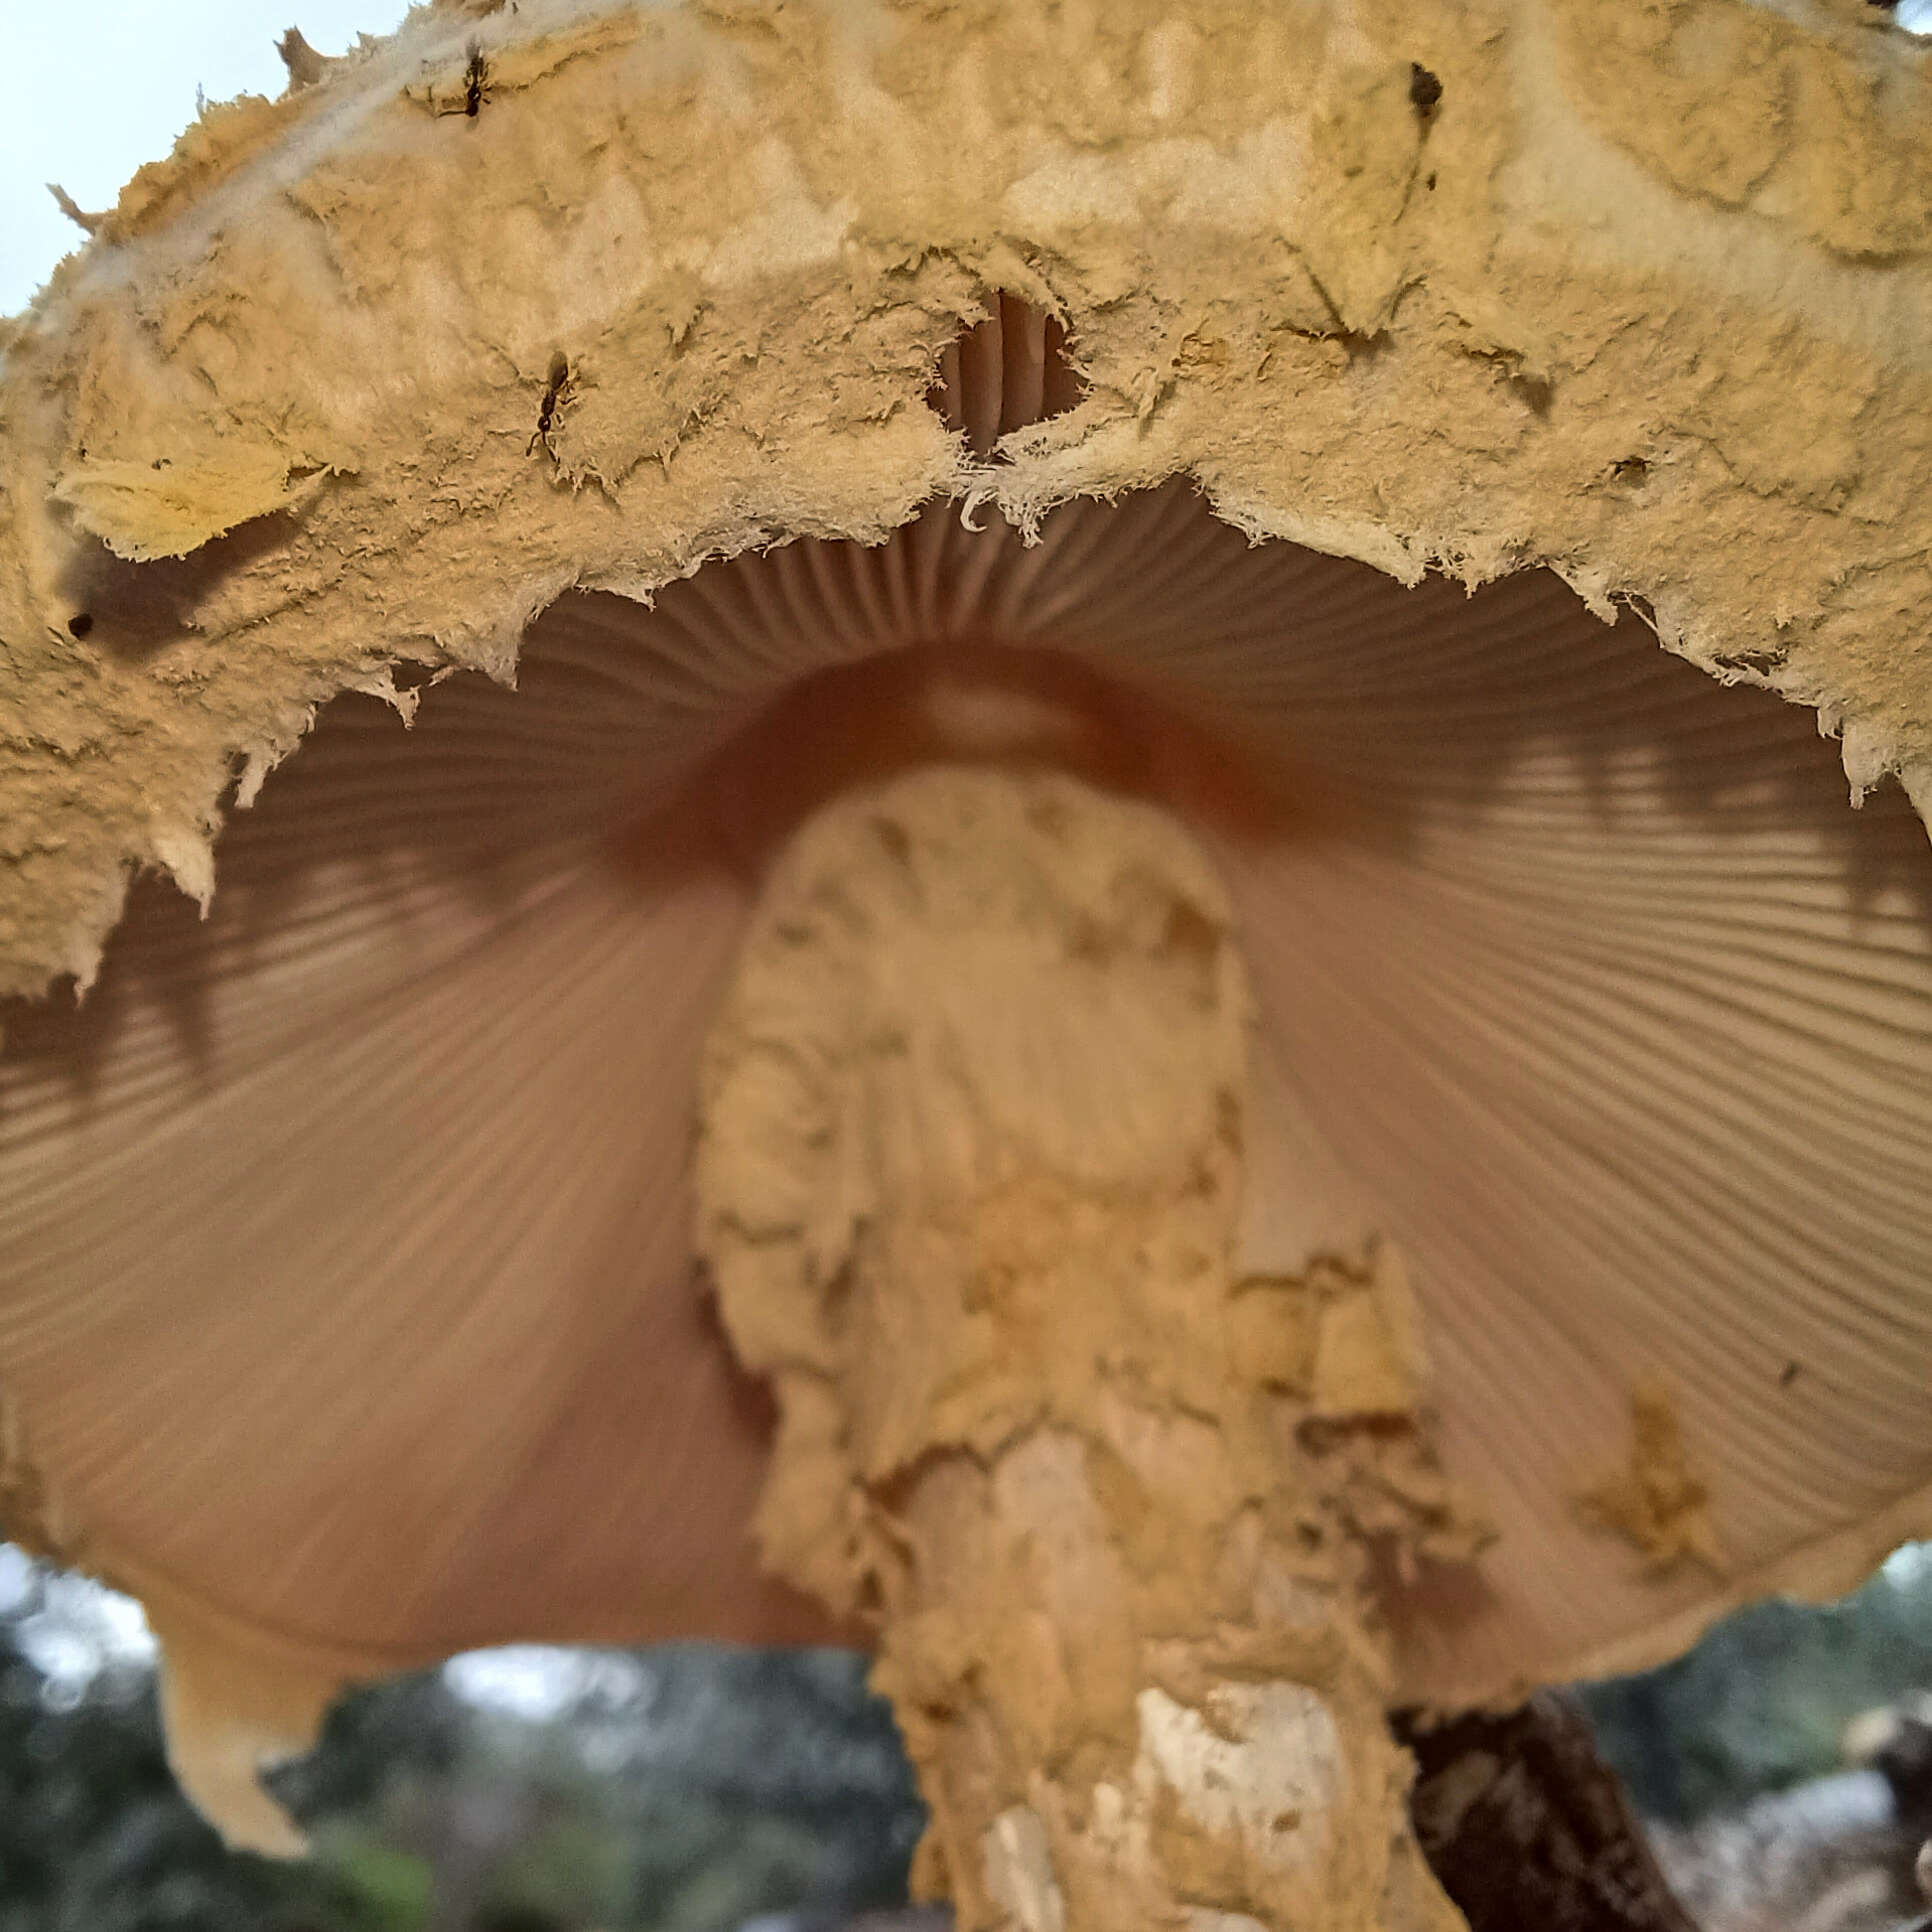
(1643, 296)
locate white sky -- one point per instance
(96, 87)
(76, 1628)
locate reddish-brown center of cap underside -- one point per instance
(987, 704)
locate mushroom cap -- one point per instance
(346, 1310)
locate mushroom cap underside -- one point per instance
(348, 1303)
(350, 1228)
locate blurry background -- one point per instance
(703, 1790)
(681, 1790)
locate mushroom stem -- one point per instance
(969, 1182)
(1095, 1756)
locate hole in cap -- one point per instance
(1005, 373)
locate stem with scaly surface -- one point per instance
(969, 1176)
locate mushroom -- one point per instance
(1074, 790)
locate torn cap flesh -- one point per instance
(346, 1309)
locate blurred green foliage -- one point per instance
(682, 1790)
(95, 1838)
(1762, 1703)
(687, 1789)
